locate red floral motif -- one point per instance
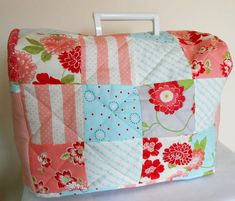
(44, 160)
(71, 60)
(151, 147)
(58, 43)
(197, 160)
(65, 178)
(40, 188)
(152, 169)
(44, 78)
(197, 68)
(76, 153)
(226, 67)
(21, 68)
(167, 97)
(192, 37)
(178, 154)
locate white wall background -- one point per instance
(214, 16)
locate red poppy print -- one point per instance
(152, 169)
(64, 179)
(76, 153)
(40, 188)
(178, 154)
(151, 147)
(44, 78)
(167, 97)
(44, 160)
(58, 43)
(192, 37)
(71, 60)
(197, 159)
(226, 67)
(197, 68)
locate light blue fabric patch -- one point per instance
(207, 98)
(163, 37)
(112, 112)
(113, 164)
(158, 58)
(15, 88)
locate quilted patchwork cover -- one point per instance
(95, 113)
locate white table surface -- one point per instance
(217, 187)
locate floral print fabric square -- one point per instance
(112, 112)
(58, 168)
(165, 159)
(168, 108)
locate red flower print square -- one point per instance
(167, 97)
(197, 68)
(152, 169)
(75, 154)
(58, 168)
(151, 147)
(178, 154)
(65, 178)
(166, 108)
(71, 60)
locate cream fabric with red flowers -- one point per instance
(96, 113)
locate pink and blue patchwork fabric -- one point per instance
(97, 113)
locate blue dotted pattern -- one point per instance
(112, 113)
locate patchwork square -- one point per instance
(54, 112)
(110, 164)
(58, 168)
(179, 157)
(159, 158)
(112, 112)
(168, 108)
(158, 59)
(207, 98)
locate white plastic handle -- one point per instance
(98, 17)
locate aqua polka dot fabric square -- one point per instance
(111, 113)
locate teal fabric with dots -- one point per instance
(112, 113)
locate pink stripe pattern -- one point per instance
(124, 58)
(70, 128)
(45, 113)
(102, 60)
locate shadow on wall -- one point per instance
(10, 169)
